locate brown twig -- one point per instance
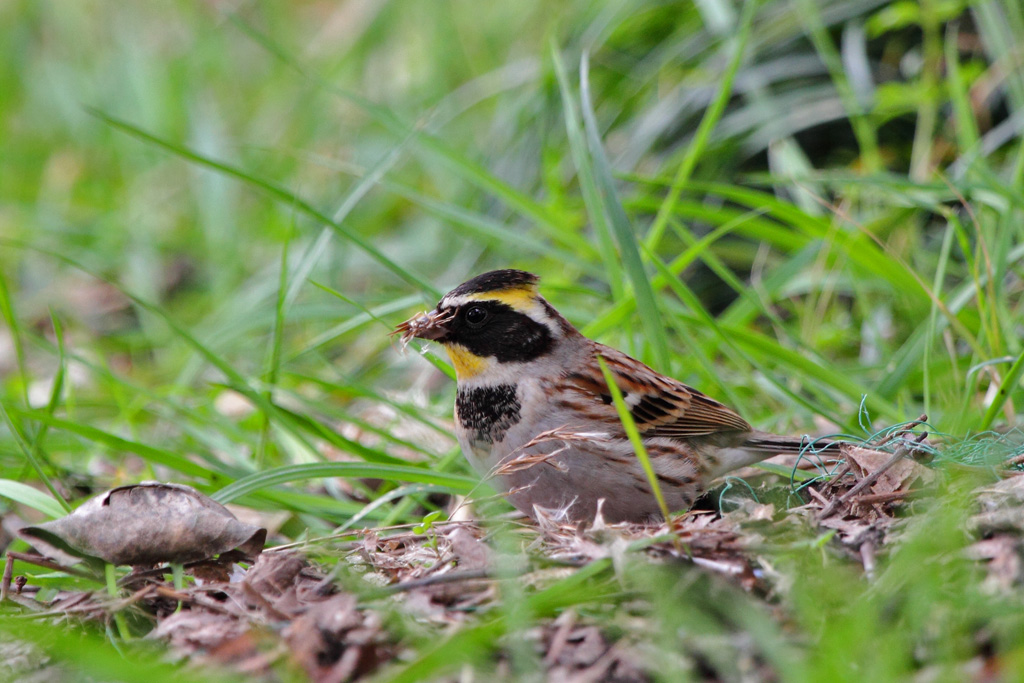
(193, 599)
(72, 606)
(867, 558)
(903, 430)
(817, 496)
(132, 599)
(8, 574)
(860, 486)
(560, 639)
(43, 562)
(872, 498)
(254, 595)
(26, 602)
(901, 451)
(450, 577)
(837, 478)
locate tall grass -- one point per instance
(212, 215)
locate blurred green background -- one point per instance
(211, 214)
(855, 180)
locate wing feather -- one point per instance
(660, 406)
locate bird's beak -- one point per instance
(431, 326)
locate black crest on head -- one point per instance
(495, 281)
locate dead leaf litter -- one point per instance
(285, 611)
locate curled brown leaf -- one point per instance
(150, 523)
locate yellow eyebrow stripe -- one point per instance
(519, 298)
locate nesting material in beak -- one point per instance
(430, 326)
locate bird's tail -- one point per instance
(761, 445)
(773, 444)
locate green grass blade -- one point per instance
(56, 391)
(963, 110)
(863, 129)
(588, 185)
(288, 473)
(629, 249)
(273, 368)
(751, 357)
(33, 498)
(26, 450)
(712, 115)
(85, 655)
(10, 317)
(158, 456)
(479, 226)
(1006, 387)
(436, 149)
(303, 423)
(273, 190)
(380, 501)
(634, 436)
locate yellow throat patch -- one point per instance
(467, 364)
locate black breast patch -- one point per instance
(488, 412)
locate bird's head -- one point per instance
(490, 323)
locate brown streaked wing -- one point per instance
(661, 406)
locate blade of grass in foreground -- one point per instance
(280, 475)
(634, 436)
(33, 498)
(473, 643)
(89, 656)
(56, 389)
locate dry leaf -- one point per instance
(898, 477)
(470, 551)
(150, 523)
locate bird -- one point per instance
(534, 414)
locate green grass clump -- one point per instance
(212, 216)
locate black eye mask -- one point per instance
(494, 329)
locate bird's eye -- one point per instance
(476, 316)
